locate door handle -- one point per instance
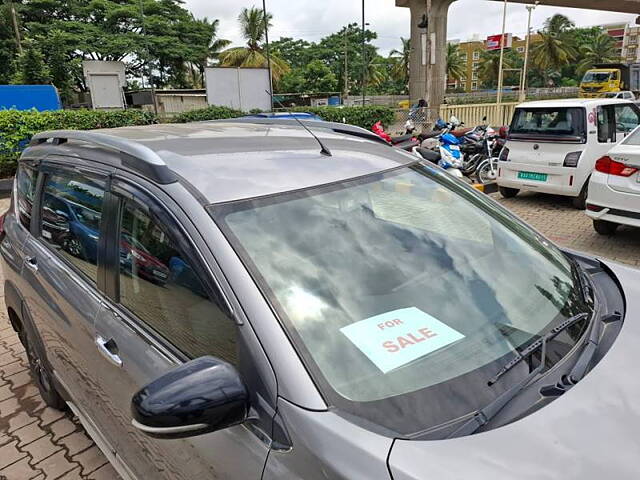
(109, 350)
(31, 263)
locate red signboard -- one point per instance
(493, 41)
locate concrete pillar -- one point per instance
(428, 64)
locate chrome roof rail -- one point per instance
(134, 156)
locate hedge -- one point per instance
(17, 127)
(363, 117)
(208, 113)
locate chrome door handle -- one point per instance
(109, 350)
(31, 263)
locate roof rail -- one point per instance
(133, 155)
(336, 127)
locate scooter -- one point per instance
(448, 155)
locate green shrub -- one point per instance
(17, 127)
(363, 117)
(209, 113)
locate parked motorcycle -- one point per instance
(404, 142)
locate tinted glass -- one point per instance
(596, 77)
(565, 122)
(26, 185)
(71, 216)
(402, 285)
(627, 118)
(160, 286)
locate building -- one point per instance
(630, 45)
(470, 52)
(617, 32)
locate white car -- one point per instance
(614, 189)
(553, 145)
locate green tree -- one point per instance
(58, 58)
(8, 50)
(30, 66)
(601, 49)
(489, 68)
(555, 49)
(252, 26)
(456, 68)
(401, 61)
(315, 77)
(295, 52)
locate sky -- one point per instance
(312, 20)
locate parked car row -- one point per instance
(586, 149)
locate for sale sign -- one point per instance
(396, 338)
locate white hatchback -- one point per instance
(553, 145)
(614, 189)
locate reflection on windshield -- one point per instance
(596, 77)
(389, 266)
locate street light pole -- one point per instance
(266, 39)
(500, 73)
(523, 80)
(148, 55)
(364, 59)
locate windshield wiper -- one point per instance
(526, 353)
(485, 415)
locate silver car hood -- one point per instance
(591, 432)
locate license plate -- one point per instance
(538, 177)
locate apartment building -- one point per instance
(631, 44)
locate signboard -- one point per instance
(493, 41)
(240, 88)
(105, 81)
(396, 338)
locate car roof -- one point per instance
(233, 160)
(571, 102)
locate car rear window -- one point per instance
(633, 138)
(559, 124)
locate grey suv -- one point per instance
(266, 299)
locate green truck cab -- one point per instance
(605, 78)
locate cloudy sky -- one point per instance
(313, 19)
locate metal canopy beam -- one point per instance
(621, 6)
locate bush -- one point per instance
(363, 117)
(17, 127)
(209, 113)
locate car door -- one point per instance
(60, 271)
(163, 310)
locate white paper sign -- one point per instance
(396, 338)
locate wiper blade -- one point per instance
(484, 416)
(527, 352)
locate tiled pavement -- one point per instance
(40, 443)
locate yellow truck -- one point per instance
(610, 77)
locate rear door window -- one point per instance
(26, 179)
(161, 285)
(71, 217)
(560, 124)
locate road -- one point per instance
(41, 443)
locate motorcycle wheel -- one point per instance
(486, 173)
(471, 166)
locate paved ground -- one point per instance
(38, 442)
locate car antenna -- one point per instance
(323, 149)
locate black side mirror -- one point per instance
(201, 396)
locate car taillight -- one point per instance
(571, 160)
(607, 165)
(504, 155)
(594, 208)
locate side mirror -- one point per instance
(201, 396)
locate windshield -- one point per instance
(403, 288)
(568, 123)
(596, 77)
(633, 138)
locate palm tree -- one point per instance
(400, 69)
(210, 51)
(252, 26)
(456, 68)
(555, 49)
(489, 68)
(601, 49)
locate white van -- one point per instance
(553, 145)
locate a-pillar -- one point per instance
(428, 61)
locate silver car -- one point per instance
(271, 299)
